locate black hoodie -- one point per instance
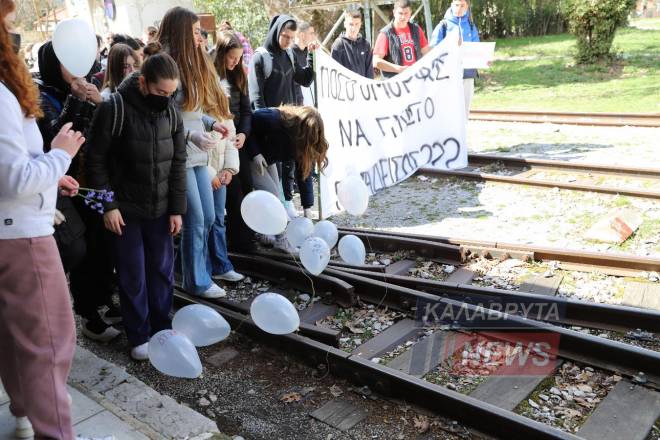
(354, 55)
(146, 166)
(277, 88)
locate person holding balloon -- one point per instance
(199, 96)
(84, 246)
(144, 166)
(37, 333)
(286, 133)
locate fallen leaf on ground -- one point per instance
(336, 391)
(291, 397)
(421, 424)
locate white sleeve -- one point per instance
(21, 174)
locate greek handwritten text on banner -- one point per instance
(387, 130)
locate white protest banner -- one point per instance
(386, 130)
(477, 55)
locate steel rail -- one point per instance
(539, 253)
(582, 313)
(481, 416)
(487, 159)
(487, 177)
(571, 118)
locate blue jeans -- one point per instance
(218, 262)
(196, 227)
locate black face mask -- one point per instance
(15, 41)
(157, 103)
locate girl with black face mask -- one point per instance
(140, 155)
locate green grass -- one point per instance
(539, 73)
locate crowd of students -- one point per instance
(137, 137)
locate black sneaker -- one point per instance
(98, 330)
(112, 315)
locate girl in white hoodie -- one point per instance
(37, 336)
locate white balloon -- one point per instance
(298, 230)
(74, 42)
(212, 172)
(172, 353)
(274, 314)
(264, 213)
(351, 250)
(201, 324)
(353, 195)
(327, 231)
(315, 255)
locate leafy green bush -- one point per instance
(246, 16)
(594, 23)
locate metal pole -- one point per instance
(332, 31)
(427, 18)
(367, 22)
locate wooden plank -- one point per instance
(541, 285)
(317, 311)
(400, 267)
(628, 412)
(645, 295)
(340, 414)
(387, 340)
(423, 356)
(507, 391)
(633, 294)
(461, 276)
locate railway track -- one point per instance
(597, 119)
(557, 174)
(409, 373)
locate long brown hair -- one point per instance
(200, 85)
(114, 73)
(308, 134)
(13, 71)
(228, 40)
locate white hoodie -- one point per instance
(28, 177)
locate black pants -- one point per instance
(92, 280)
(291, 173)
(239, 236)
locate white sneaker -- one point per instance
(290, 209)
(107, 335)
(214, 291)
(23, 428)
(141, 352)
(231, 276)
(283, 245)
(308, 213)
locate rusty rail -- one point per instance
(571, 118)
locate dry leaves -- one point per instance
(421, 423)
(336, 391)
(291, 397)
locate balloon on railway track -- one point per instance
(201, 324)
(298, 230)
(172, 353)
(264, 213)
(274, 314)
(353, 195)
(327, 231)
(74, 43)
(315, 255)
(352, 250)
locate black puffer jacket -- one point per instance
(146, 165)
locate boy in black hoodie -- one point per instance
(350, 49)
(274, 69)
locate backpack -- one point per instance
(118, 114)
(268, 60)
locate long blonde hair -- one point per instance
(201, 88)
(308, 134)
